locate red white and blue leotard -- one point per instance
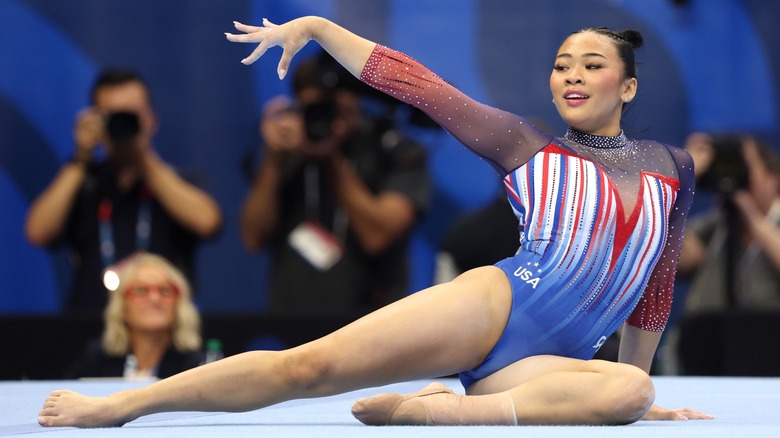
(602, 219)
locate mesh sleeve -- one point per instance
(652, 312)
(503, 139)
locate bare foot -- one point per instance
(385, 409)
(68, 408)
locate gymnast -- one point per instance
(602, 218)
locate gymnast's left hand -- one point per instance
(290, 36)
(657, 413)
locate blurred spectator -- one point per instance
(107, 209)
(335, 197)
(732, 252)
(152, 328)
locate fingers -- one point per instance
(255, 34)
(694, 415)
(672, 415)
(284, 63)
(690, 414)
(254, 37)
(256, 54)
(245, 27)
(252, 34)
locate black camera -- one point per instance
(122, 127)
(318, 119)
(728, 171)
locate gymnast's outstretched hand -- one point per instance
(350, 50)
(291, 37)
(657, 413)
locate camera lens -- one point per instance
(318, 118)
(728, 171)
(122, 127)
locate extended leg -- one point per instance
(439, 331)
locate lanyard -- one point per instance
(312, 203)
(143, 227)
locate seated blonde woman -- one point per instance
(152, 328)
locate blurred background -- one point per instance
(709, 65)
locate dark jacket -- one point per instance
(94, 362)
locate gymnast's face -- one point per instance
(588, 85)
(150, 301)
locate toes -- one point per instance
(379, 409)
(376, 410)
(46, 420)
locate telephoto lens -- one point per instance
(728, 172)
(318, 119)
(122, 126)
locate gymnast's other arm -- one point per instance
(642, 332)
(637, 347)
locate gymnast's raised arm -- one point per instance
(350, 50)
(503, 139)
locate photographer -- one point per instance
(732, 252)
(335, 198)
(106, 209)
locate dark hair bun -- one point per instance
(633, 37)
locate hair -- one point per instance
(186, 329)
(626, 41)
(113, 77)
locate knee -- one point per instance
(306, 370)
(631, 394)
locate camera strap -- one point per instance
(143, 227)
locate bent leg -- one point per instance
(583, 392)
(442, 330)
(535, 390)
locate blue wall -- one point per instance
(709, 65)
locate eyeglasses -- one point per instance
(145, 290)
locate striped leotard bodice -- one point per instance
(593, 252)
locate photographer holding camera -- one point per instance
(107, 209)
(335, 198)
(732, 252)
